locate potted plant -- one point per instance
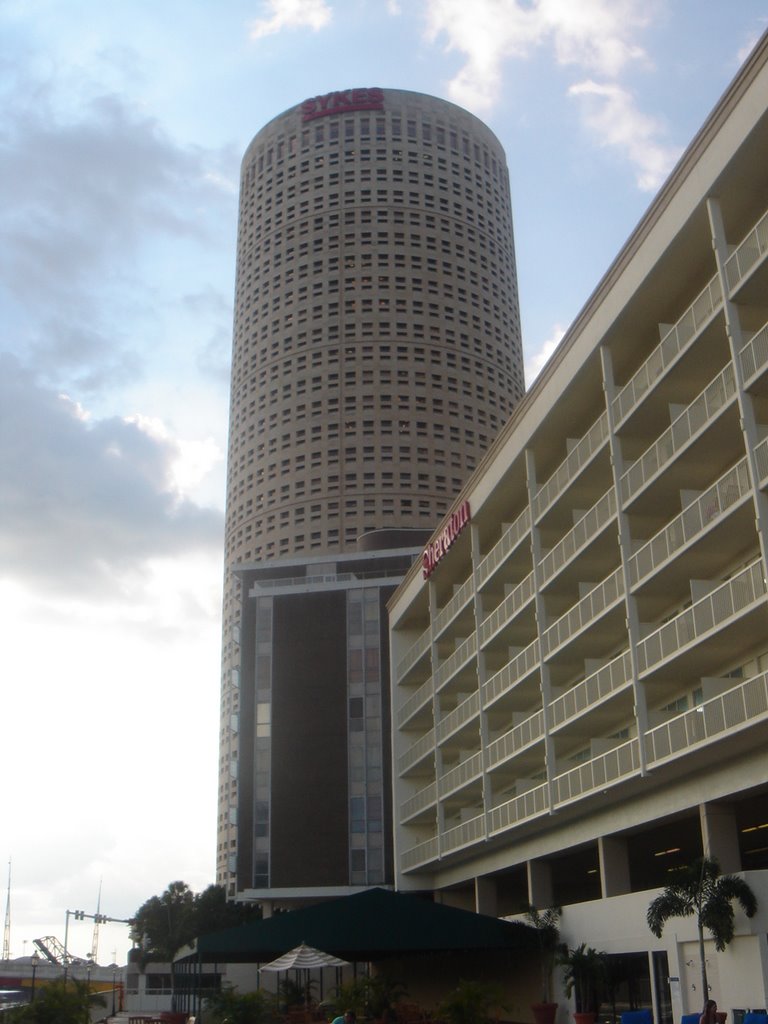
(547, 925)
(470, 1003)
(584, 977)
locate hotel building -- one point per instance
(376, 355)
(580, 664)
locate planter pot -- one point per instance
(584, 1018)
(544, 1013)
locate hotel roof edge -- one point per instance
(677, 177)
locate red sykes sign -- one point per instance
(341, 102)
(439, 547)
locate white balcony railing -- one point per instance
(462, 597)
(517, 739)
(748, 253)
(414, 652)
(516, 669)
(677, 339)
(695, 518)
(423, 747)
(607, 769)
(511, 606)
(464, 653)
(423, 853)
(464, 773)
(459, 716)
(464, 834)
(531, 804)
(761, 458)
(707, 615)
(693, 420)
(426, 797)
(608, 679)
(590, 607)
(414, 703)
(743, 705)
(572, 464)
(504, 546)
(754, 355)
(580, 534)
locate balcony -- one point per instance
(415, 703)
(754, 356)
(674, 343)
(456, 778)
(454, 720)
(579, 536)
(578, 457)
(423, 747)
(418, 803)
(694, 419)
(503, 548)
(725, 603)
(531, 804)
(692, 522)
(513, 673)
(419, 855)
(517, 739)
(761, 458)
(748, 254)
(617, 765)
(610, 679)
(512, 604)
(464, 653)
(462, 835)
(462, 597)
(590, 607)
(416, 651)
(743, 706)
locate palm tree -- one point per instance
(547, 925)
(700, 890)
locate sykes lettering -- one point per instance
(341, 102)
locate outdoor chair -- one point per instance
(637, 1017)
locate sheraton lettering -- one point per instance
(439, 547)
(341, 102)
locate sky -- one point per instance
(122, 126)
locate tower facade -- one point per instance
(376, 354)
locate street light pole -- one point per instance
(114, 976)
(35, 961)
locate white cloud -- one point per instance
(291, 14)
(535, 361)
(610, 112)
(595, 35)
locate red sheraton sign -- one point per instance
(438, 548)
(341, 102)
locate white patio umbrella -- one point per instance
(303, 957)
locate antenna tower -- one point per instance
(7, 929)
(96, 922)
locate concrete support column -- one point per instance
(486, 901)
(720, 836)
(540, 891)
(614, 866)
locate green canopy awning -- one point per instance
(370, 925)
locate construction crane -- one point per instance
(54, 952)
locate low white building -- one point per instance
(580, 670)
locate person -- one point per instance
(348, 1017)
(708, 1013)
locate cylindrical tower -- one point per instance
(377, 342)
